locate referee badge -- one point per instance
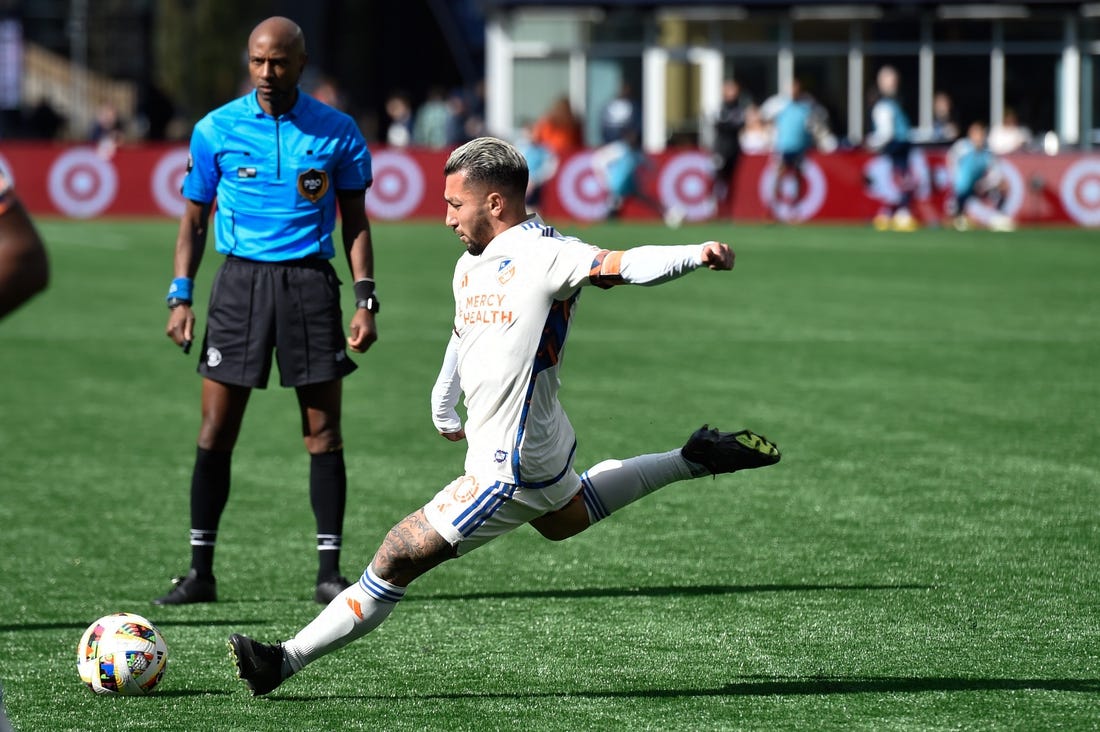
(313, 184)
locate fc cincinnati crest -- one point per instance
(313, 184)
(506, 271)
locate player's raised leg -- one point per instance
(615, 484)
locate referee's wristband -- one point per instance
(365, 297)
(179, 292)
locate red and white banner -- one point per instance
(78, 182)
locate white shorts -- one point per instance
(472, 511)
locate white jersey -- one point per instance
(513, 308)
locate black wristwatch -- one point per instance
(365, 297)
(175, 302)
(370, 303)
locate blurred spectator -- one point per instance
(327, 92)
(542, 164)
(430, 127)
(619, 165)
(458, 119)
(944, 128)
(756, 136)
(1009, 136)
(619, 115)
(727, 141)
(400, 128)
(559, 129)
(107, 130)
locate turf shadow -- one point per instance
(763, 686)
(685, 590)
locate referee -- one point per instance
(277, 162)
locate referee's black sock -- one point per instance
(209, 494)
(328, 492)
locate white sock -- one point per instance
(353, 613)
(612, 484)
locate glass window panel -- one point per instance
(965, 81)
(821, 31)
(749, 30)
(757, 75)
(536, 84)
(826, 80)
(957, 31)
(1034, 29)
(555, 29)
(1031, 89)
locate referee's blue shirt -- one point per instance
(275, 178)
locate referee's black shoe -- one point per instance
(327, 590)
(190, 588)
(728, 452)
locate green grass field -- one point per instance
(926, 556)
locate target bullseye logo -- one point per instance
(1080, 192)
(581, 191)
(167, 182)
(787, 207)
(686, 183)
(82, 184)
(398, 187)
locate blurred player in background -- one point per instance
(619, 165)
(516, 289)
(800, 123)
(728, 124)
(890, 137)
(24, 266)
(975, 175)
(280, 164)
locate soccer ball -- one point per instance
(122, 654)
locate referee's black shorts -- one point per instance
(291, 308)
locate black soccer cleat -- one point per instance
(259, 665)
(327, 590)
(727, 452)
(190, 588)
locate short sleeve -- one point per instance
(354, 170)
(201, 182)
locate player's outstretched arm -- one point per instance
(652, 265)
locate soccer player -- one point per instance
(24, 266)
(800, 122)
(620, 164)
(890, 136)
(975, 175)
(516, 290)
(728, 123)
(279, 164)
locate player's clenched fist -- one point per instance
(717, 255)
